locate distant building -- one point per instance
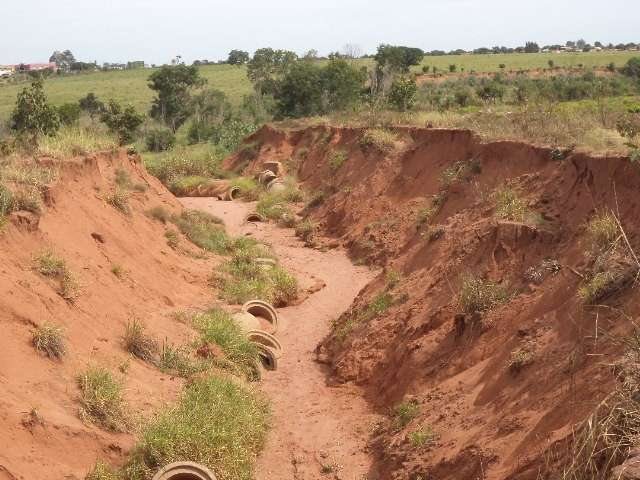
(135, 64)
(113, 66)
(31, 67)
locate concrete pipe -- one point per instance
(254, 217)
(268, 357)
(232, 193)
(263, 338)
(273, 166)
(276, 186)
(263, 310)
(266, 177)
(247, 321)
(184, 471)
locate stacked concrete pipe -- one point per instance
(184, 471)
(249, 319)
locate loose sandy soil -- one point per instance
(318, 428)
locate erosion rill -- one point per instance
(504, 315)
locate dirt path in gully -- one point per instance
(319, 430)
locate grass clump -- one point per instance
(188, 184)
(217, 326)
(250, 190)
(378, 305)
(216, 423)
(102, 471)
(602, 231)
(49, 340)
(404, 413)
(177, 360)
(337, 159)
(459, 170)
(479, 295)
(138, 343)
(306, 230)
(50, 265)
(101, 399)
(118, 270)
(422, 436)
(519, 359)
(159, 214)
(509, 206)
(119, 199)
(73, 141)
(597, 287)
(204, 230)
(379, 139)
(173, 238)
(275, 206)
(241, 279)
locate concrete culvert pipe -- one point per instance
(247, 321)
(263, 338)
(276, 186)
(184, 471)
(232, 193)
(268, 357)
(254, 217)
(266, 177)
(261, 309)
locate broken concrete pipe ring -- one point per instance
(254, 217)
(261, 309)
(263, 338)
(267, 356)
(276, 186)
(266, 177)
(184, 471)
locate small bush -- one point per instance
(337, 160)
(138, 343)
(519, 359)
(478, 295)
(160, 140)
(602, 230)
(49, 340)
(216, 423)
(119, 199)
(404, 413)
(69, 114)
(422, 436)
(49, 265)
(379, 139)
(159, 213)
(101, 398)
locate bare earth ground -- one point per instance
(319, 430)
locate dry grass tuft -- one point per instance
(138, 343)
(478, 295)
(49, 340)
(101, 399)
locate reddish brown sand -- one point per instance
(316, 425)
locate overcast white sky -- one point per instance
(157, 30)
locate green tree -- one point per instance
(32, 114)
(402, 94)
(268, 65)
(398, 59)
(124, 122)
(238, 57)
(342, 84)
(69, 113)
(173, 85)
(632, 68)
(63, 60)
(531, 47)
(91, 105)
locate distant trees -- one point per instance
(398, 59)
(63, 60)
(32, 115)
(531, 47)
(238, 57)
(173, 85)
(268, 64)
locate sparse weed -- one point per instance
(101, 398)
(337, 159)
(404, 413)
(49, 340)
(178, 361)
(393, 279)
(379, 139)
(118, 270)
(119, 199)
(216, 423)
(138, 343)
(70, 287)
(50, 265)
(597, 287)
(27, 198)
(159, 213)
(306, 230)
(173, 238)
(509, 206)
(102, 471)
(316, 199)
(478, 295)
(422, 437)
(519, 359)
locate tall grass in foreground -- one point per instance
(216, 423)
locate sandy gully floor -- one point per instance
(319, 430)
